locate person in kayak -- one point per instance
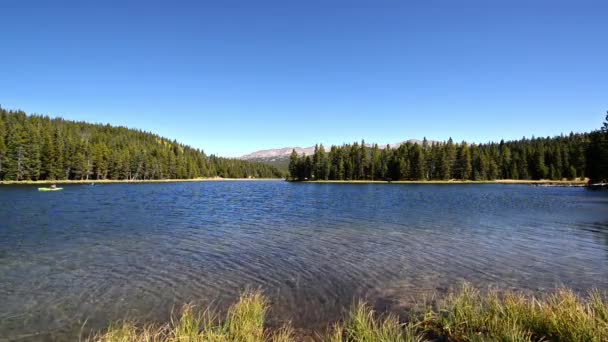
(53, 186)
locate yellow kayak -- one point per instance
(49, 189)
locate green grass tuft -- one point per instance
(365, 326)
(465, 315)
(562, 316)
(243, 323)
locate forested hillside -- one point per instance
(36, 147)
(571, 156)
(597, 154)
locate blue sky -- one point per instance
(232, 77)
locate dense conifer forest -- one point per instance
(562, 157)
(34, 147)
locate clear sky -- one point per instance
(233, 77)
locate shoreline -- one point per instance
(140, 181)
(542, 182)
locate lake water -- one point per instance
(106, 252)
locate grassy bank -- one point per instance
(126, 181)
(464, 315)
(545, 182)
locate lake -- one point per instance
(100, 253)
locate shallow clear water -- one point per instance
(106, 252)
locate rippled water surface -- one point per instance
(106, 252)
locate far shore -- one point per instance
(545, 182)
(129, 181)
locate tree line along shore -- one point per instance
(135, 181)
(542, 182)
(38, 148)
(573, 156)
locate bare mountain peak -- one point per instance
(279, 153)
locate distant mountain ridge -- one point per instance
(279, 157)
(278, 153)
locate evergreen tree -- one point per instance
(322, 169)
(385, 157)
(307, 168)
(505, 161)
(540, 169)
(363, 160)
(294, 165)
(375, 170)
(316, 165)
(417, 165)
(597, 154)
(3, 148)
(450, 159)
(479, 164)
(445, 165)
(39, 148)
(464, 167)
(16, 152)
